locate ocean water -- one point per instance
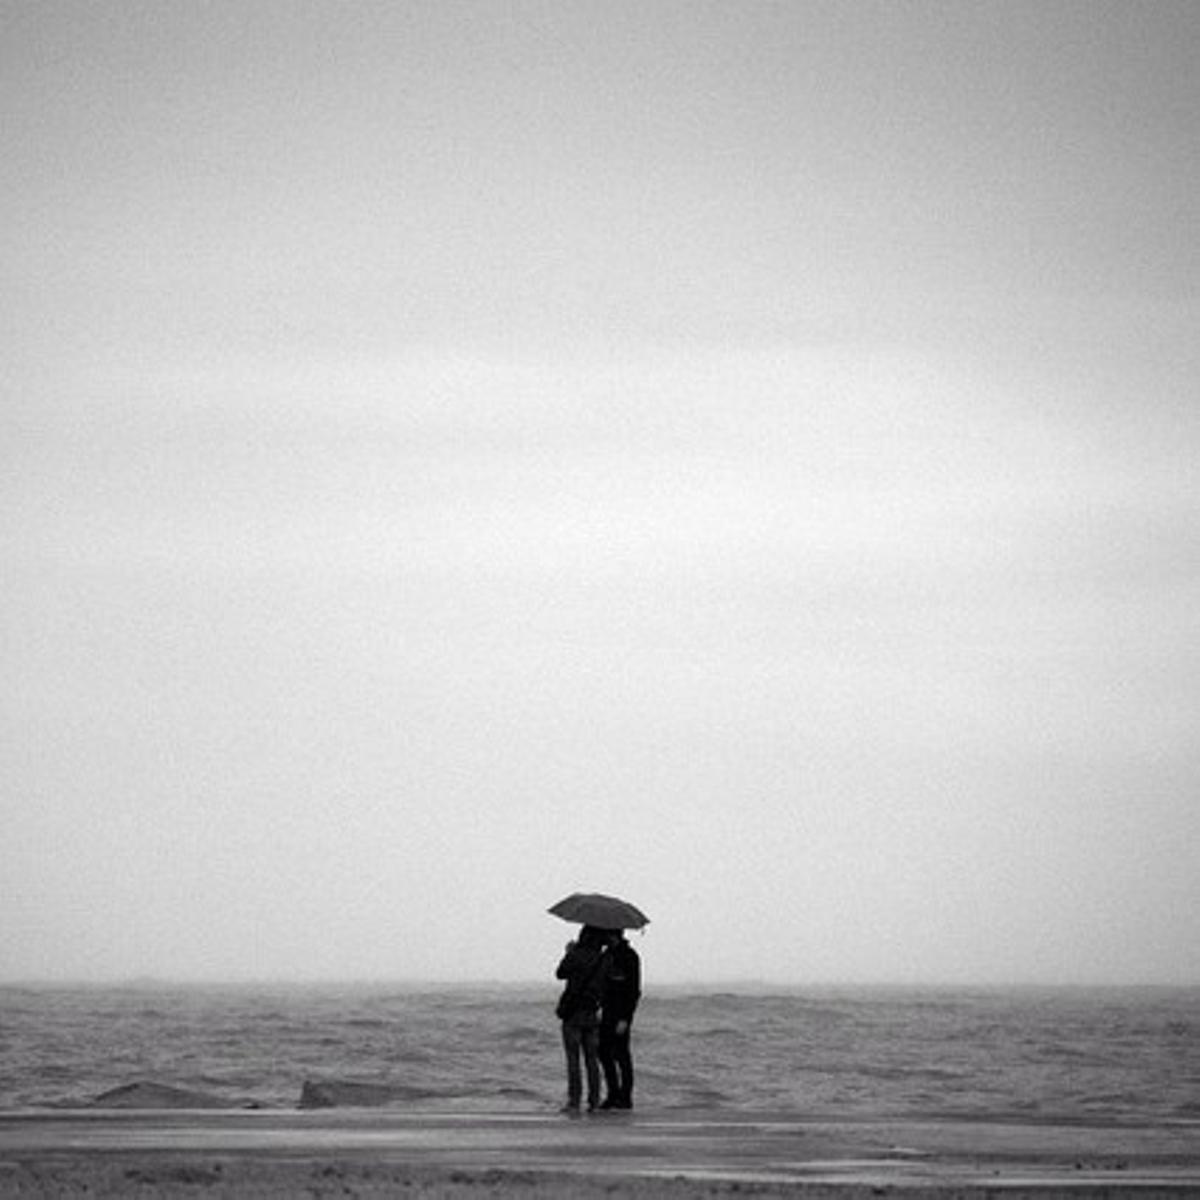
(1065, 1054)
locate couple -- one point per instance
(603, 976)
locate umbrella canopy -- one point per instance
(604, 912)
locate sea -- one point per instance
(1062, 1054)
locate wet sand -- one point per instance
(375, 1153)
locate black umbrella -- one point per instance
(604, 912)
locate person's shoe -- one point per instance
(569, 1109)
(610, 1103)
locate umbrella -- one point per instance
(604, 912)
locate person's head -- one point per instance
(589, 935)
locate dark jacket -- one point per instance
(622, 983)
(584, 967)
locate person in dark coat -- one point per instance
(584, 968)
(622, 990)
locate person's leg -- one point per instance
(623, 1066)
(608, 1063)
(571, 1047)
(591, 1062)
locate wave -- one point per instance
(702, 1098)
(521, 1035)
(147, 1094)
(349, 1093)
(509, 1092)
(1109, 1056)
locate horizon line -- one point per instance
(739, 984)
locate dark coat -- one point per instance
(622, 983)
(585, 969)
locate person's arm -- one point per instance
(566, 966)
(631, 989)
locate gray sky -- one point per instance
(739, 456)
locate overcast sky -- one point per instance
(740, 456)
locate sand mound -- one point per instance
(145, 1094)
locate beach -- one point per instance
(452, 1154)
(385, 1091)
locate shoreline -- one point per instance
(646, 1154)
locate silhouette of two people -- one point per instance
(602, 973)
